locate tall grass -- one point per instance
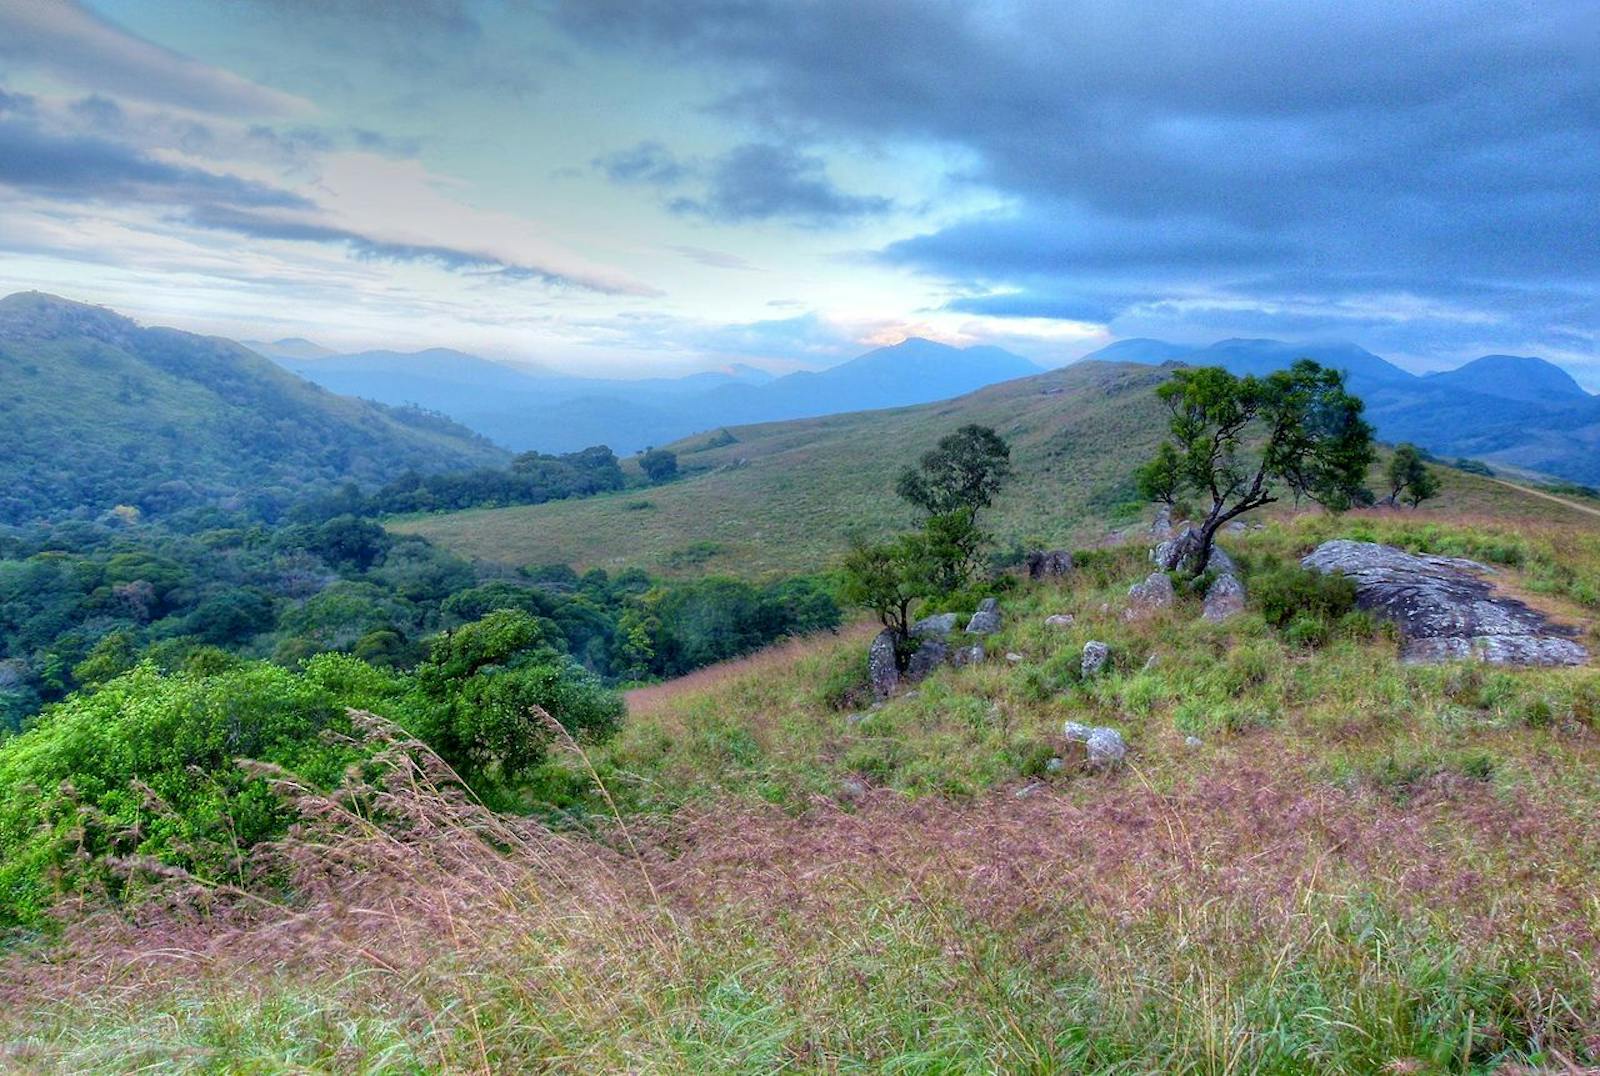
(1362, 867)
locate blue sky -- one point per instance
(630, 186)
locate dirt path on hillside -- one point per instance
(1574, 505)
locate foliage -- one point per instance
(966, 470)
(1162, 479)
(122, 418)
(659, 464)
(888, 578)
(1410, 478)
(1242, 441)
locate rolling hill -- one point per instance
(784, 497)
(528, 407)
(109, 413)
(1511, 410)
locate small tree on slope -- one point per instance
(1410, 479)
(1241, 441)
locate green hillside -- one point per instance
(784, 496)
(109, 413)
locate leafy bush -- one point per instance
(1286, 593)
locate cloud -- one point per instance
(648, 162)
(76, 167)
(1199, 148)
(70, 42)
(372, 248)
(715, 259)
(761, 182)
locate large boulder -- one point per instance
(1154, 593)
(938, 625)
(1445, 608)
(1049, 564)
(1224, 598)
(986, 621)
(883, 670)
(968, 655)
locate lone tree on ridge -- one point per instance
(1242, 440)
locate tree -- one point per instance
(1161, 478)
(1410, 478)
(888, 578)
(966, 470)
(1243, 440)
(659, 464)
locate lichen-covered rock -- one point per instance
(986, 621)
(1224, 598)
(1161, 526)
(1445, 608)
(883, 670)
(1059, 620)
(940, 624)
(1095, 656)
(1154, 593)
(1105, 745)
(1049, 563)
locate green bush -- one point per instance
(1287, 593)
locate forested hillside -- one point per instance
(101, 412)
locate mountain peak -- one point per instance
(40, 314)
(1513, 377)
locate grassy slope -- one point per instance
(1362, 867)
(785, 497)
(109, 410)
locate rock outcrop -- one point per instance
(1153, 594)
(1445, 608)
(931, 654)
(986, 621)
(1224, 598)
(1049, 564)
(1168, 555)
(883, 671)
(940, 624)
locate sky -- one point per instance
(625, 187)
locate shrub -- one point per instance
(1287, 592)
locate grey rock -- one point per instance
(940, 624)
(986, 621)
(1150, 663)
(1095, 656)
(1054, 765)
(1049, 564)
(1106, 745)
(1013, 657)
(927, 657)
(1032, 788)
(1224, 598)
(883, 672)
(1154, 593)
(1172, 553)
(1445, 608)
(1059, 620)
(967, 655)
(1161, 526)
(854, 788)
(1193, 741)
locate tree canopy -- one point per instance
(1242, 442)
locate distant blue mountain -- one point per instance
(1510, 409)
(1514, 377)
(525, 406)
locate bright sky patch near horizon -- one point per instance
(654, 186)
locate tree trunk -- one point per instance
(1206, 537)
